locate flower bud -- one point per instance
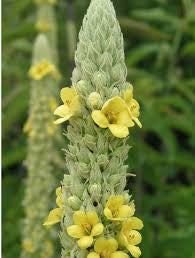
(102, 160)
(95, 192)
(82, 87)
(94, 99)
(100, 80)
(74, 202)
(66, 180)
(115, 179)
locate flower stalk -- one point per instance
(97, 218)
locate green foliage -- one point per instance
(159, 47)
(12, 191)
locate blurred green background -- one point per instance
(160, 55)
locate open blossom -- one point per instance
(70, 107)
(55, 214)
(129, 237)
(115, 208)
(133, 106)
(106, 248)
(42, 69)
(86, 226)
(115, 116)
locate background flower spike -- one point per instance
(43, 162)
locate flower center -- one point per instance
(87, 227)
(40, 70)
(114, 210)
(68, 102)
(131, 235)
(134, 108)
(112, 116)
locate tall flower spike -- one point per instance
(98, 141)
(42, 159)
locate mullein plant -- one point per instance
(95, 211)
(43, 162)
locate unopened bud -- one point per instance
(100, 79)
(95, 192)
(94, 99)
(81, 87)
(74, 202)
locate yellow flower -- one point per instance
(115, 116)
(27, 245)
(71, 105)
(106, 248)
(43, 26)
(55, 214)
(40, 70)
(116, 210)
(133, 106)
(129, 237)
(86, 226)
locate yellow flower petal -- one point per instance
(75, 231)
(85, 242)
(59, 201)
(80, 218)
(97, 229)
(134, 250)
(102, 244)
(135, 223)
(75, 104)
(93, 255)
(61, 120)
(119, 254)
(119, 131)
(125, 211)
(132, 206)
(134, 108)
(115, 104)
(108, 213)
(124, 118)
(67, 94)
(134, 237)
(112, 245)
(62, 111)
(53, 217)
(115, 201)
(100, 119)
(59, 191)
(128, 94)
(92, 217)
